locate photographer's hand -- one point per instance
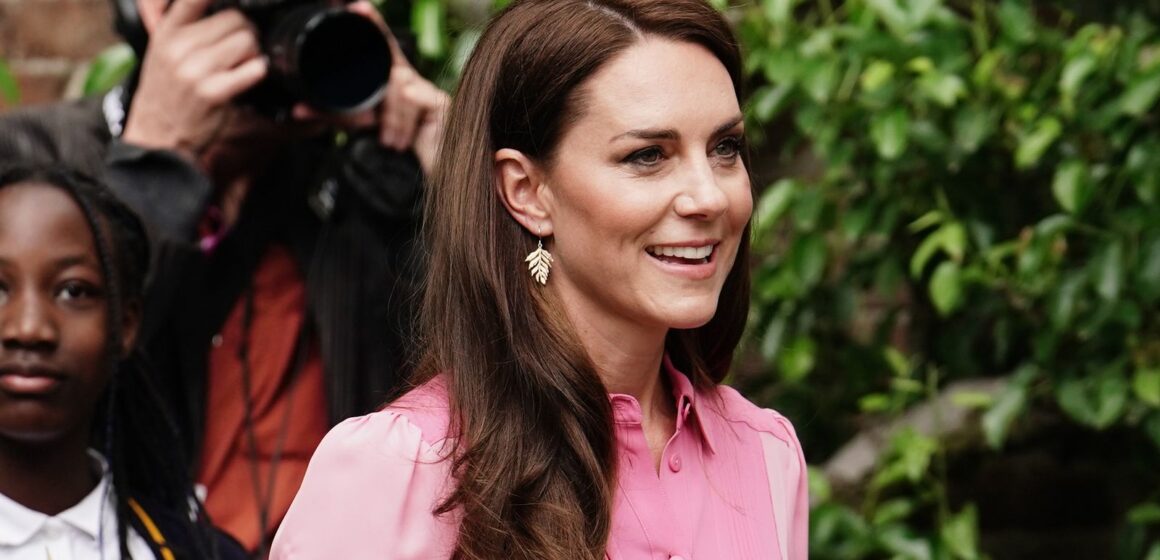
(411, 114)
(192, 70)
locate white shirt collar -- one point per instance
(18, 524)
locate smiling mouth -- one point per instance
(682, 255)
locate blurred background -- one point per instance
(957, 270)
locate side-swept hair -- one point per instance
(535, 464)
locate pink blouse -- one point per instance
(732, 484)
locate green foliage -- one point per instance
(984, 201)
(9, 90)
(109, 68)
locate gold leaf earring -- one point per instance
(539, 261)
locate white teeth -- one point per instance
(683, 252)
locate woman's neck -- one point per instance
(628, 360)
(46, 477)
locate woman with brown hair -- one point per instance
(567, 403)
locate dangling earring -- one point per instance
(539, 261)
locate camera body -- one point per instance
(335, 60)
(320, 53)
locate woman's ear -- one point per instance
(130, 324)
(520, 182)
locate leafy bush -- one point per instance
(984, 199)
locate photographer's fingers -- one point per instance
(400, 111)
(223, 86)
(182, 13)
(222, 55)
(429, 129)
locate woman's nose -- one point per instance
(27, 321)
(703, 197)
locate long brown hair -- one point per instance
(535, 465)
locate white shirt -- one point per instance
(86, 531)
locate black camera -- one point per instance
(335, 60)
(320, 53)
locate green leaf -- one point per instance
(946, 288)
(1011, 403)
(808, 259)
(1071, 186)
(1153, 553)
(972, 400)
(973, 124)
(1016, 21)
(1152, 428)
(772, 339)
(9, 90)
(893, 511)
(1097, 401)
(961, 534)
(1074, 73)
(777, 11)
(807, 208)
(769, 101)
(1144, 514)
(876, 75)
(944, 89)
(1146, 383)
(1108, 271)
(773, 205)
(899, 365)
(109, 69)
(931, 218)
(1140, 96)
(875, 402)
(819, 78)
(1148, 271)
(1033, 145)
(904, 545)
(819, 485)
(889, 130)
(1061, 303)
(429, 24)
(797, 359)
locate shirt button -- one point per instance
(675, 466)
(216, 341)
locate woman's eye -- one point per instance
(728, 148)
(648, 156)
(71, 291)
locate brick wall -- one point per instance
(46, 43)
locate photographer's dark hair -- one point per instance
(133, 427)
(535, 464)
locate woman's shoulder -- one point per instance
(420, 415)
(740, 413)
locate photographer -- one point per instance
(280, 295)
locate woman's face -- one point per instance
(646, 193)
(53, 364)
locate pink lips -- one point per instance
(29, 383)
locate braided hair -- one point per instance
(133, 426)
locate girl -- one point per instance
(88, 460)
(575, 412)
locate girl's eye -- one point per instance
(651, 155)
(728, 148)
(75, 291)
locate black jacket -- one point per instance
(349, 214)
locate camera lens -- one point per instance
(333, 59)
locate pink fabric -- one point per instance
(732, 484)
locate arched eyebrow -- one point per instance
(671, 134)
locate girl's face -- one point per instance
(647, 195)
(53, 354)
